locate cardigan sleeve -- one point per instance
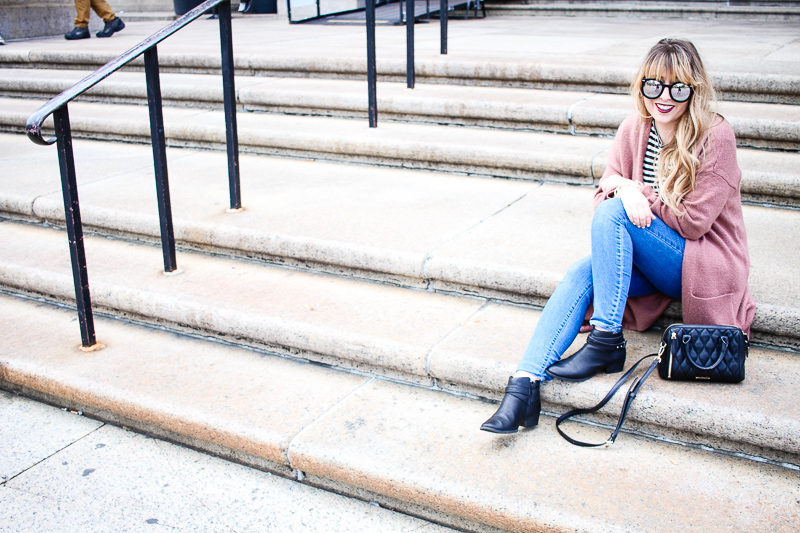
(620, 156)
(715, 182)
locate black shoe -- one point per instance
(603, 352)
(111, 27)
(77, 33)
(520, 407)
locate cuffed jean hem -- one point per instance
(541, 375)
(605, 326)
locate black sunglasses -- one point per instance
(652, 89)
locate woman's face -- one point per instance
(665, 111)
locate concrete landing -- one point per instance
(61, 471)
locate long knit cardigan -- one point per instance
(716, 263)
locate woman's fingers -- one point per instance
(637, 208)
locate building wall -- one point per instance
(21, 19)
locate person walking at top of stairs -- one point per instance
(668, 224)
(103, 10)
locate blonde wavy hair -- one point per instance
(672, 60)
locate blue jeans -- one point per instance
(625, 261)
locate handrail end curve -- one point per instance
(33, 128)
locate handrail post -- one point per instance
(371, 69)
(229, 99)
(410, 16)
(160, 158)
(443, 7)
(69, 188)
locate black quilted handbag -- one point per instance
(694, 352)
(689, 352)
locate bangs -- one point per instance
(670, 67)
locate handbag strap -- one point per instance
(629, 397)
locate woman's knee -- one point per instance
(580, 272)
(610, 210)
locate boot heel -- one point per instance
(532, 420)
(616, 367)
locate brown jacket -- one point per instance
(716, 263)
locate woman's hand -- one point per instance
(636, 205)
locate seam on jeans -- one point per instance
(619, 219)
(668, 245)
(549, 350)
(617, 297)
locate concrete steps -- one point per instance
(768, 126)
(406, 447)
(768, 177)
(456, 341)
(138, 16)
(384, 303)
(535, 70)
(703, 9)
(408, 228)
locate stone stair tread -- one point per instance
(566, 111)
(410, 448)
(767, 176)
(402, 226)
(702, 6)
(62, 471)
(467, 344)
(412, 144)
(529, 52)
(146, 15)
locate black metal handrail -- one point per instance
(372, 74)
(58, 107)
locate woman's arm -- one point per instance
(618, 170)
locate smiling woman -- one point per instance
(667, 225)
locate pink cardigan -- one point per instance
(716, 263)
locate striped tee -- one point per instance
(651, 158)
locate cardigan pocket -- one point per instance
(716, 310)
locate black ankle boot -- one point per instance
(603, 351)
(520, 407)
